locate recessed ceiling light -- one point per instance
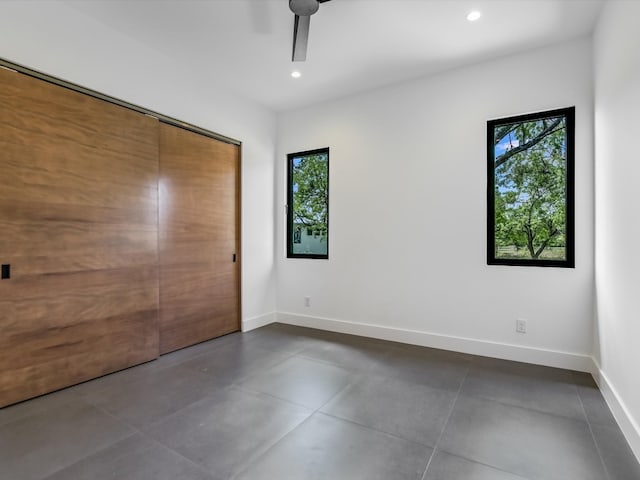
(473, 16)
(296, 74)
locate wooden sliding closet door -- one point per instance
(199, 238)
(78, 216)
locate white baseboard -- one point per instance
(627, 423)
(518, 353)
(259, 321)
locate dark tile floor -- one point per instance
(285, 402)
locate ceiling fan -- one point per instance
(303, 9)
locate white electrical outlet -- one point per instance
(521, 325)
(307, 301)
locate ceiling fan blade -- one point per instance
(300, 38)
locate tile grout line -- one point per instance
(529, 409)
(105, 447)
(266, 450)
(335, 395)
(492, 467)
(252, 391)
(165, 447)
(444, 426)
(260, 455)
(139, 431)
(593, 437)
(181, 409)
(318, 411)
(157, 420)
(312, 411)
(368, 427)
(333, 364)
(351, 374)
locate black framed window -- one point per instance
(530, 189)
(308, 204)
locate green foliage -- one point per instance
(310, 193)
(530, 189)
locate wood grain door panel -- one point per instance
(199, 233)
(78, 212)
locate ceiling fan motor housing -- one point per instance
(304, 8)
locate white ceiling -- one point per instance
(354, 45)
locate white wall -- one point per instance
(408, 173)
(617, 113)
(60, 41)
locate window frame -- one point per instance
(290, 228)
(569, 261)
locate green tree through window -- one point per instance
(531, 189)
(308, 204)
